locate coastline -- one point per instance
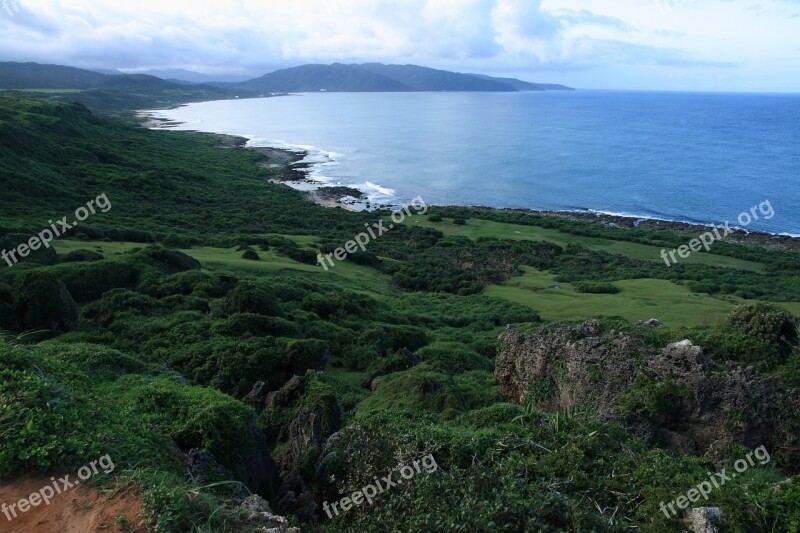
(295, 168)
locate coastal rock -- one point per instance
(706, 406)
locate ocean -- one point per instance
(695, 157)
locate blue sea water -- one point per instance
(697, 157)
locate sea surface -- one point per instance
(696, 157)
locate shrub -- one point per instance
(88, 281)
(434, 218)
(766, 321)
(41, 300)
(382, 340)
(216, 287)
(194, 417)
(596, 287)
(176, 241)
(454, 357)
(251, 297)
(123, 301)
(251, 255)
(45, 255)
(78, 256)
(166, 261)
(459, 221)
(252, 325)
(300, 255)
(418, 389)
(181, 283)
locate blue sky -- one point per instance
(728, 45)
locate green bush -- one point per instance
(459, 221)
(382, 340)
(419, 389)
(253, 325)
(35, 414)
(181, 283)
(434, 218)
(596, 287)
(88, 281)
(251, 297)
(45, 255)
(454, 357)
(79, 256)
(118, 302)
(766, 321)
(42, 301)
(194, 417)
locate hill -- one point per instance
(103, 93)
(377, 77)
(428, 79)
(180, 75)
(15, 75)
(185, 336)
(526, 85)
(334, 78)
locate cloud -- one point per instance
(501, 35)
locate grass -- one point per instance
(51, 91)
(475, 228)
(640, 299)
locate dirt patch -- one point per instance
(77, 510)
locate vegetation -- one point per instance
(147, 334)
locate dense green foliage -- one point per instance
(155, 351)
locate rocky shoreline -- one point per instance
(292, 171)
(295, 175)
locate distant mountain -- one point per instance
(336, 77)
(377, 77)
(139, 83)
(102, 93)
(525, 85)
(428, 79)
(36, 76)
(107, 71)
(183, 76)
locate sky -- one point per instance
(694, 45)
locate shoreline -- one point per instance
(295, 174)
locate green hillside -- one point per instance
(187, 317)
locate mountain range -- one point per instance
(338, 77)
(377, 77)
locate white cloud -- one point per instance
(644, 43)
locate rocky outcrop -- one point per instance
(256, 511)
(704, 519)
(303, 414)
(675, 398)
(257, 469)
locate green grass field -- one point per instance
(475, 228)
(52, 91)
(640, 299)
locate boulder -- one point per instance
(706, 405)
